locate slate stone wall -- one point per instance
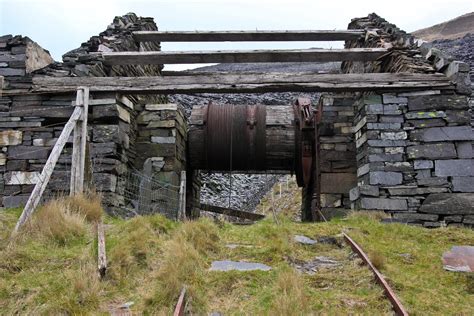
(414, 149)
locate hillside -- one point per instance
(452, 29)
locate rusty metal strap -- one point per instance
(396, 304)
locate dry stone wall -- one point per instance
(414, 149)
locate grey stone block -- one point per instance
(28, 152)
(432, 151)
(105, 133)
(394, 135)
(433, 181)
(15, 201)
(464, 150)
(374, 109)
(425, 115)
(425, 123)
(385, 178)
(463, 184)
(448, 203)
(469, 220)
(385, 157)
(384, 126)
(455, 167)
(392, 109)
(391, 119)
(458, 117)
(412, 190)
(386, 143)
(415, 217)
(437, 102)
(12, 72)
(391, 98)
(105, 182)
(448, 133)
(383, 204)
(398, 166)
(423, 164)
(453, 219)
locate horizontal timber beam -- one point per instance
(247, 36)
(232, 212)
(246, 83)
(243, 56)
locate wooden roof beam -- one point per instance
(242, 56)
(248, 36)
(246, 83)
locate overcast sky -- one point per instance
(61, 25)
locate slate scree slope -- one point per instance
(408, 151)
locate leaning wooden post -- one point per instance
(48, 168)
(79, 143)
(101, 257)
(182, 197)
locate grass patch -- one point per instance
(52, 270)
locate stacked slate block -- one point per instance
(161, 141)
(414, 149)
(338, 153)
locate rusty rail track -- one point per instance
(389, 293)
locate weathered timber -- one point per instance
(101, 255)
(180, 307)
(246, 82)
(232, 212)
(48, 168)
(79, 144)
(243, 56)
(248, 36)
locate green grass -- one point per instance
(150, 258)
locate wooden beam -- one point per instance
(101, 254)
(243, 56)
(246, 83)
(232, 212)
(248, 36)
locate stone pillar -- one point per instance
(415, 157)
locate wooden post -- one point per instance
(79, 143)
(182, 197)
(48, 168)
(101, 259)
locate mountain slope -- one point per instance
(452, 29)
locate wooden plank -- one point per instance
(101, 255)
(396, 304)
(232, 212)
(181, 305)
(83, 143)
(48, 168)
(243, 56)
(248, 36)
(247, 82)
(76, 144)
(182, 197)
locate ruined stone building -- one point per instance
(408, 151)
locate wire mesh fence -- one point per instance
(145, 194)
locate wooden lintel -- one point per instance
(242, 56)
(248, 36)
(232, 212)
(246, 83)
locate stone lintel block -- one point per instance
(454, 167)
(449, 203)
(448, 133)
(463, 184)
(432, 151)
(383, 204)
(385, 178)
